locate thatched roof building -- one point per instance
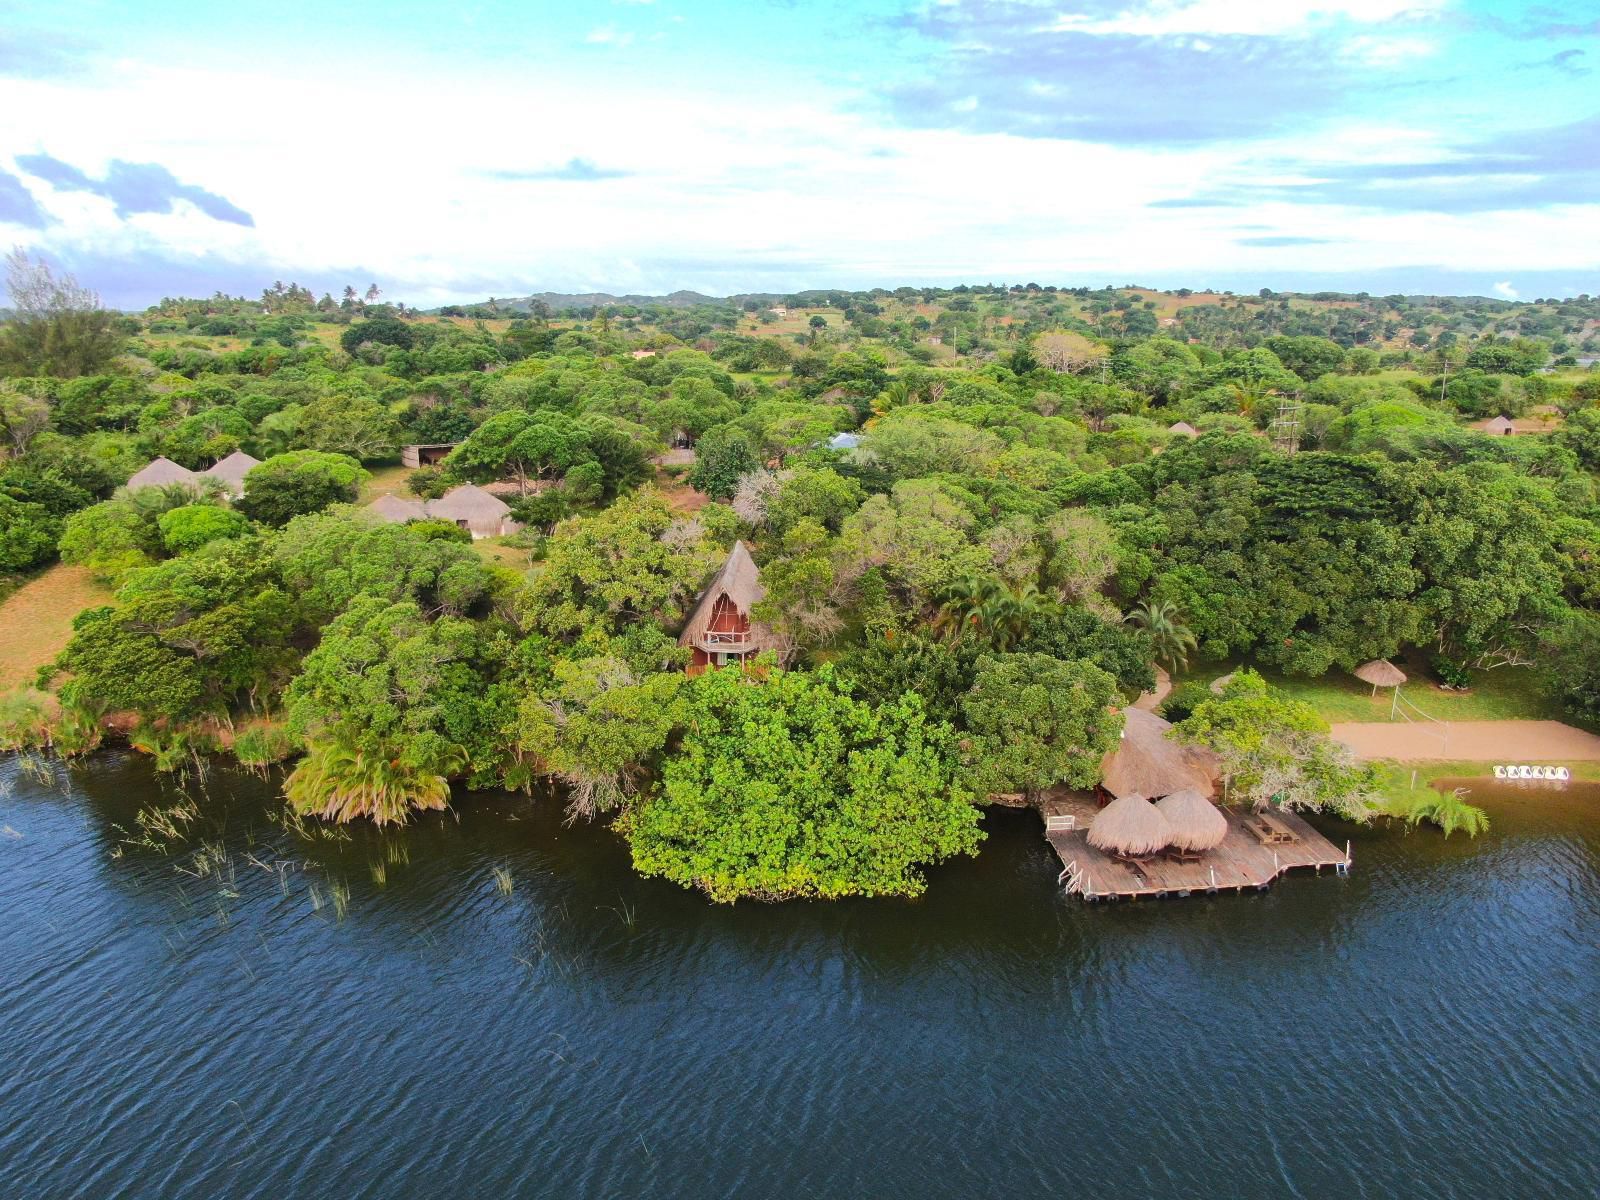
(1197, 824)
(1129, 826)
(1499, 426)
(1380, 673)
(160, 472)
(230, 471)
(397, 509)
(1184, 428)
(1148, 763)
(720, 629)
(468, 506)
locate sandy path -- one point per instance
(1149, 700)
(1531, 742)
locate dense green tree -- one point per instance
(56, 327)
(786, 786)
(722, 456)
(1033, 722)
(194, 525)
(289, 485)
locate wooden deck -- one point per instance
(1243, 862)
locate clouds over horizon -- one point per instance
(1185, 141)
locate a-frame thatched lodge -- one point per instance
(720, 629)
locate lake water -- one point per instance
(255, 1015)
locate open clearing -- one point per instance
(1531, 742)
(36, 620)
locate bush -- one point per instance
(428, 483)
(1450, 673)
(1183, 700)
(192, 526)
(263, 745)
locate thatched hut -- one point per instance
(1380, 673)
(425, 454)
(1197, 824)
(1183, 428)
(162, 472)
(475, 510)
(1129, 827)
(720, 629)
(230, 471)
(1149, 763)
(398, 510)
(1501, 426)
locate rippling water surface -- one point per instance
(254, 1014)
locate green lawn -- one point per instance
(1509, 693)
(385, 479)
(1399, 782)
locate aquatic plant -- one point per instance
(1448, 810)
(342, 782)
(260, 746)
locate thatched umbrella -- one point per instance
(1380, 673)
(1197, 824)
(1148, 763)
(1130, 826)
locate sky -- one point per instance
(456, 151)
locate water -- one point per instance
(1425, 1027)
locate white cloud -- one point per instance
(1506, 290)
(800, 189)
(608, 35)
(1262, 18)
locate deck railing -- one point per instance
(1057, 821)
(714, 640)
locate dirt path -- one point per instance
(1531, 742)
(1150, 700)
(36, 620)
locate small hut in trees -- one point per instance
(1149, 763)
(230, 471)
(469, 506)
(397, 510)
(475, 510)
(1501, 426)
(162, 472)
(719, 629)
(425, 454)
(1183, 428)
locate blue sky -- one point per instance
(455, 151)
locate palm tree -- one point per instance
(961, 606)
(986, 607)
(1170, 639)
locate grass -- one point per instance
(384, 481)
(497, 551)
(1506, 694)
(1399, 783)
(36, 620)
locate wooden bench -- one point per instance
(1270, 831)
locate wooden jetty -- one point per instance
(1249, 858)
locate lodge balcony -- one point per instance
(733, 641)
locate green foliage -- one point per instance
(192, 526)
(601, 728)
(263, 745)
(28, 534)
(1449, 811)
(389, 706)
(55, 327)
(288, 485)
(185, 637)
(786, 786)
(1034, 722)
(722, 456)
(1275, 750)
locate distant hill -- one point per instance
(558, 302)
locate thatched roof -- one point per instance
(232, 470)
(740, 582)
(469, 502)
(1148, 763)
(1380, 673)
(1500, 424)
(1129, 825)
(397, 509)
(1197, 824)
(1184, 428)
(160, 472)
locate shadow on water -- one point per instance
(490, 1001)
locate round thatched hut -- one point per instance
(1380, 673)
(1129, 827)
(1197, 824)
(1148, 763)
